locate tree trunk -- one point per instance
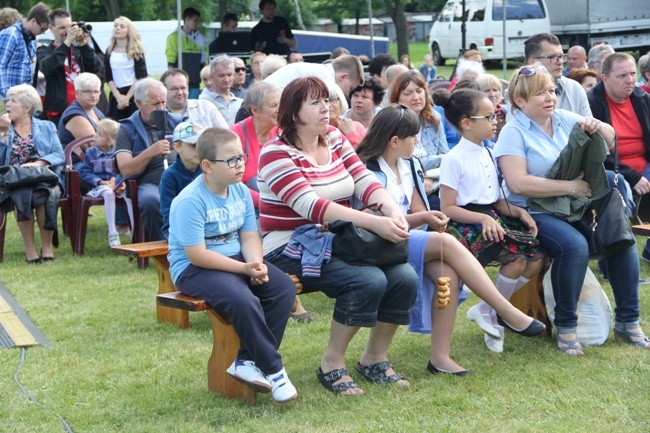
(223, 8)
(401, 27)
(112, 8)
(299, 15)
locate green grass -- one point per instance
(417, 50)
(113, 368)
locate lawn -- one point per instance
(112, 367)
(417, 50)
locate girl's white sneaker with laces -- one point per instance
(281, 387)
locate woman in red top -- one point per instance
(262, 102)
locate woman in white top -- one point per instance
(493, 229)
(387, 150)
(124, 65)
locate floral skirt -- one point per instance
(517, 243)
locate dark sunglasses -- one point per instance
(240, 69)
(529, 71)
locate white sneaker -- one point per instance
(283, 390)
(495, 344)
(482, 320)
(114, 240)
(247, 373)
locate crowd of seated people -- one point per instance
(291, 163)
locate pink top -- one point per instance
(252, 147)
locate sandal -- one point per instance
(622, 332)
(328, 379)
(572, 344)
(377, 372)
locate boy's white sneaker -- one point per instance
(247, 373)
(282, 388)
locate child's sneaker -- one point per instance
(114, 240)
(247, 373)
(282, 388)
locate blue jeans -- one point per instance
(364, 294)
(646, 174)
(570, 253)
(149, 206)
(259, 314)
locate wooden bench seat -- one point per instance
(173, 307)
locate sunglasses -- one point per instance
(240, 69)
(529, 71)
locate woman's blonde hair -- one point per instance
(27, 96)
(486, 80)
(134, 47)
(528, 81)
(109, 129)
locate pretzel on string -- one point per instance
(443, 291)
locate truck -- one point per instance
(623, 24)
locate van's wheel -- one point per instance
(438, 60)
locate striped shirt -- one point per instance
(293, 191)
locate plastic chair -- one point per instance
(3, 225)
(81, 203)
(138, 232)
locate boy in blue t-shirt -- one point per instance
(183, 171)
(215, 253)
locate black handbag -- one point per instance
(605, 224)
(361, 247)
(16, 177)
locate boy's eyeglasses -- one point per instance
(234, 161)
(488, 117)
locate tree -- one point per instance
(396, 12)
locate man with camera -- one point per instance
(61, 61)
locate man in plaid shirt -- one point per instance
(18, 48)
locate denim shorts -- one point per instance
(364, 294)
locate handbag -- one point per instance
(16, 177)
(362, 247)
(605, 224)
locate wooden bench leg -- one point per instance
(166, 285)
(224, 350)
(530, 300)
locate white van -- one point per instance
(484, 24)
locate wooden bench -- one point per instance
(174, 307)
(641, 229)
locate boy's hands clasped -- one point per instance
(258, 272)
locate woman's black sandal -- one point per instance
(377, 372)
(328, 379)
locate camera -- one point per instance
(84, 26)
